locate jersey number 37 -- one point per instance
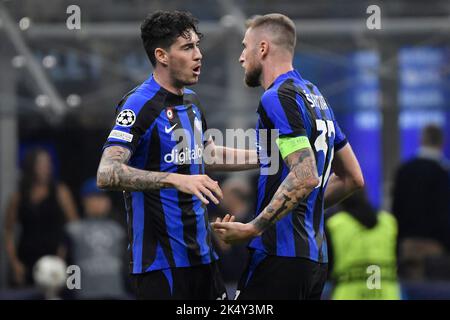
(326, 128)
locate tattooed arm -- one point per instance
(114, 174)
(298, 184)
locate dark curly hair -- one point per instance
(162, 28)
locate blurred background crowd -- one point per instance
(389, 89)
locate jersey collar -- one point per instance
(171, 98)
(290, 74)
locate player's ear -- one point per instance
(263, 48)
(162, 56)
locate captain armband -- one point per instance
(288, 145)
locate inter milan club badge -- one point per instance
(126, 118)
(169, 113)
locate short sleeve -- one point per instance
(282, 110)
(340, 140)
(133, 119)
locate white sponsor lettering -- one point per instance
(186, 155)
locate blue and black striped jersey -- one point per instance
(167, 228)
(295, 107)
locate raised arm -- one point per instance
(346, 178)
(115, 174)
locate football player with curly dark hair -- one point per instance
(154, 154)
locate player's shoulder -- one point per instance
(319, 98)
(308, 83)
(286, 86)
(269, 96)
(143, 97)
(305, 86)
(281, 94)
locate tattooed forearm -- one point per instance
(114, 173)
(298, 184)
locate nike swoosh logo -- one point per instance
(169, 130)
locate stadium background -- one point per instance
(59, 87)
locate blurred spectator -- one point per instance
(421, 204)
(97, 245)
(359, 237)
(40, 207)
(237, 200)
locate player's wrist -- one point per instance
(258, 226)
(173, 180)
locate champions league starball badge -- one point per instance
(126, 118)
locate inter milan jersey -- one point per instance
(295, 107)
(164, 132)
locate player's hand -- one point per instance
(201, 186)
(234, 232)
